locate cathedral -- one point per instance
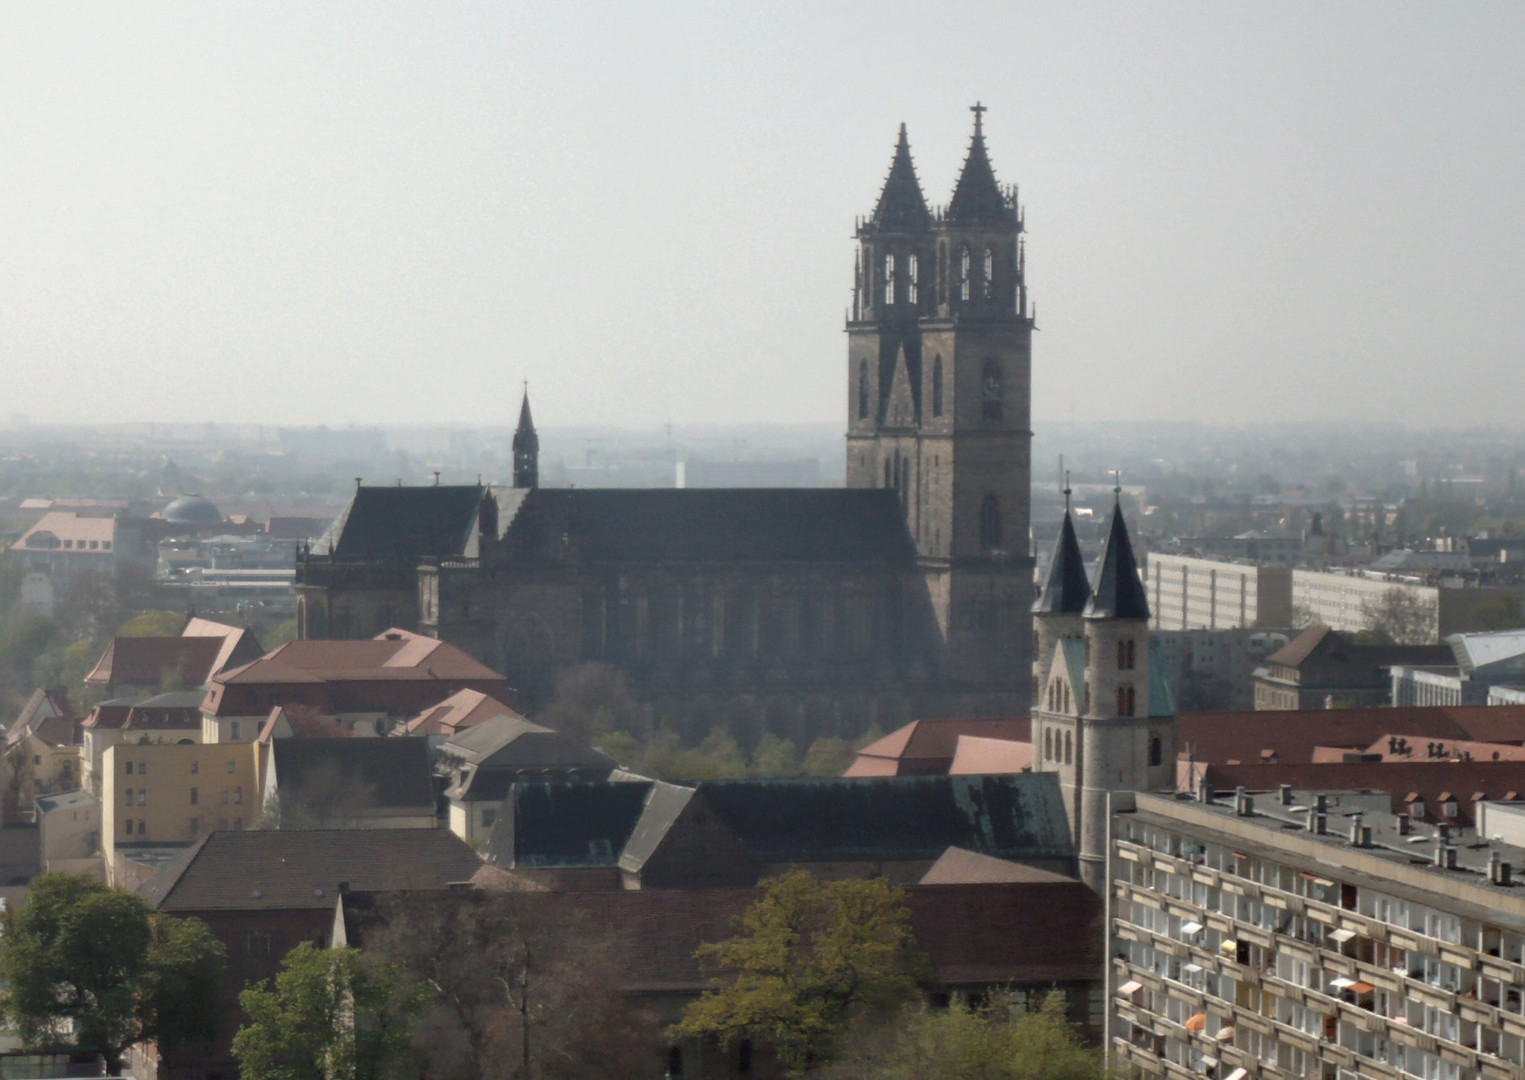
(802, 612)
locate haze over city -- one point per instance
(386, 214)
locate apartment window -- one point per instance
(235, 730)
(142, 768)
(232, 766)
(142, 796)
(142, 827)
(195, 796)
(195, 767)
(238, 823)
(129, 768)
(238, 794)
(127, 826)
(128, 800)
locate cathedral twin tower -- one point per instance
(939, 400)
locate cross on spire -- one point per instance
(1066, 491)
(979, 115)
(1117, 484)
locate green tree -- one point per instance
(775, 757)
(332, 1014)
(153, 624)
(1398, 617)
(808, 960)
(97, 970)
(1500, 613)
(997, 1042)
(592, 698)
(829, 756)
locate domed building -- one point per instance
(192, 510)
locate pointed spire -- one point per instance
(977, 197)
(902, 207)
(1119, 592)
(1066, 591)
(526, 447)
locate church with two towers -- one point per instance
(801, 612)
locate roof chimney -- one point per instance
(1320, 824)
(1286, 794)
(1321, 802)
(1404, 826)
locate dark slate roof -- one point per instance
(977, 198)
(568, 824)
(712, 525)
(274, 870)
(407, 522)
(902, 207)
(1119, 592)
(394, 772)
(894, 817)
(1066, 592)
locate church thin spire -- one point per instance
(526, 447)
(1066, 590)
(977, 198)
(901, 206)
(1119, 593)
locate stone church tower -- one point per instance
(1103, 715)
(939, 380)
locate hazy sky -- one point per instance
(363, 213)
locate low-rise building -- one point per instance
(173, 717)
(1481, 661)
(168, 795)
(69, 832)
(372, 685)
(1215, 669)
(1310, 934)
(41, 752)
(1323, 667)
(139, 666)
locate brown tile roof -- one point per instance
(960, 866)
(928, 746)
(303, 869)
(1392, 747)
(43, 707)
(981, 755)
(456, 713)
(393, 654)
(1219, 737)
(305, 722)
(150, 659)
(1301, 647)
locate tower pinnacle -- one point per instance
(901, 206)
(977, 198)
(526, 447)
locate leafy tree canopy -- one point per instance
(332, 1014)
(97, 970)
(153, 624)
(808, 960)
(963, 1043)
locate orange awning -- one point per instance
(1361, 988)
(1196, 1023)
(1130, 987)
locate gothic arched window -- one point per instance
(889, 279)
(1069, 754)
(1156, 752)
(992, 410)
(987, 280)
(1048, 744)
(937, 386)
(990, 524)
(912, 267)
(963, 273)
(862, 389)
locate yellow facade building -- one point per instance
(165, 795)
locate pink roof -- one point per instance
(928, 746)
(959, 866)
(393, 654)
(67, 525)
(459, 711)
(981, 756)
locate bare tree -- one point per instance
(518, 987)
(1399, 617)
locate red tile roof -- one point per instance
(1293, 735)
(393, 654)
(459, 711)
(928, 746)
(980, 755)
(959, 866)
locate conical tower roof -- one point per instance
(525, 438)
(977, 198)
(1119, 592)
(1066, 591)
(902, 207)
